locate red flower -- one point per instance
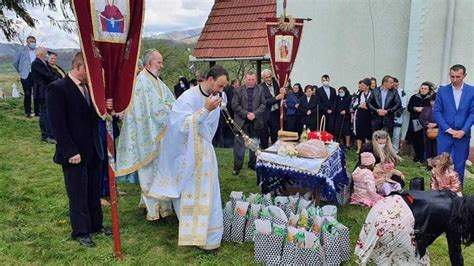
(324, 136)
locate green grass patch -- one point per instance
(34, 222)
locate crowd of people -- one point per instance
(189, 121)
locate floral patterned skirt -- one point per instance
(387, 236)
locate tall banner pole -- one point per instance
(112, 188)
(110, 35)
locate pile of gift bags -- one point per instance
(287, 230)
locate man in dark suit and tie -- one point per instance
(78, 150)
(383, 103)
(42, 76)
(327, 99)
(271, 117)
(248, 104)
(454, 114)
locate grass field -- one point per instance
(34, 223)
(9, 76)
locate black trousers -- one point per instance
(239, 147)
(418, 145)
(44, 121)
(83, 186)
(383, 123)
(430, 147)
(27, 85)
(330, 123)
(270, 130)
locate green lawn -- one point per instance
(34, 223)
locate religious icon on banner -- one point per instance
(284, 44)
(110, 19)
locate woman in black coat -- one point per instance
(415, 128)
(308, 108)
(343, 117)
(362, 117)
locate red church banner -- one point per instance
(110, 32)
(284, 36)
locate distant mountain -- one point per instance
(187, 36)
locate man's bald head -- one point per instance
(41, 52)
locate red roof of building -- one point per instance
(234, 29)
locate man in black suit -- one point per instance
(327, 99)
(271, 117)
(383, 103)
(42, 76)
(248, 104)
(75, 126)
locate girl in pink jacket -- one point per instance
(365, 193)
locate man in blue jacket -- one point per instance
(454, 114)
(22, 63)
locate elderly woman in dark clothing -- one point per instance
(415, 128)
(427, 121)
(308, 108)
(399, 229)
(343, 117)
(181, 86)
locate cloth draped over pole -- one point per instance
(110, 34)
(284, 36)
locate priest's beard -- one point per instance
(155, 72)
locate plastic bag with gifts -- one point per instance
(267, 199)
(293, 220)
(264, 213)
(343, 196)
(292, 205)
(303, 204)
(236, 196)
(343, 238)
(281, 202)
(329, 211)
(331, 244)
(278, 215)
(255, 198)
(239, 221)
(289, 248)
(253, 214)
(275, 244)
(303, 221)
(312, 253)
(228, 214)
(263, 232)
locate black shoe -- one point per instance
(252, 167)
(106, 231)
(29, 115)
(50, 141)
(235, 172)
(85, 241)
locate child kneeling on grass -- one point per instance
(444, 177)
(365, 193)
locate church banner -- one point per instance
(110, 32)
(284, 35)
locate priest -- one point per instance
(187, 170)
(144, 126)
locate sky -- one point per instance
(160, 16)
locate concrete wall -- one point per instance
(353, 39)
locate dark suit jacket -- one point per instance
(269, 99)
(312, 106)
(42, 76)
(240, 103)
(324, 103)
(74, 123)
(392, 102)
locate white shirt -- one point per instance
(308, 98)
(457, 93)
(328, 92)
(32, 55)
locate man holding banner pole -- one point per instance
(110, 35)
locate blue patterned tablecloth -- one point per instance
(276, 172)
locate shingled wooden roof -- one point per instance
(234, 30)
